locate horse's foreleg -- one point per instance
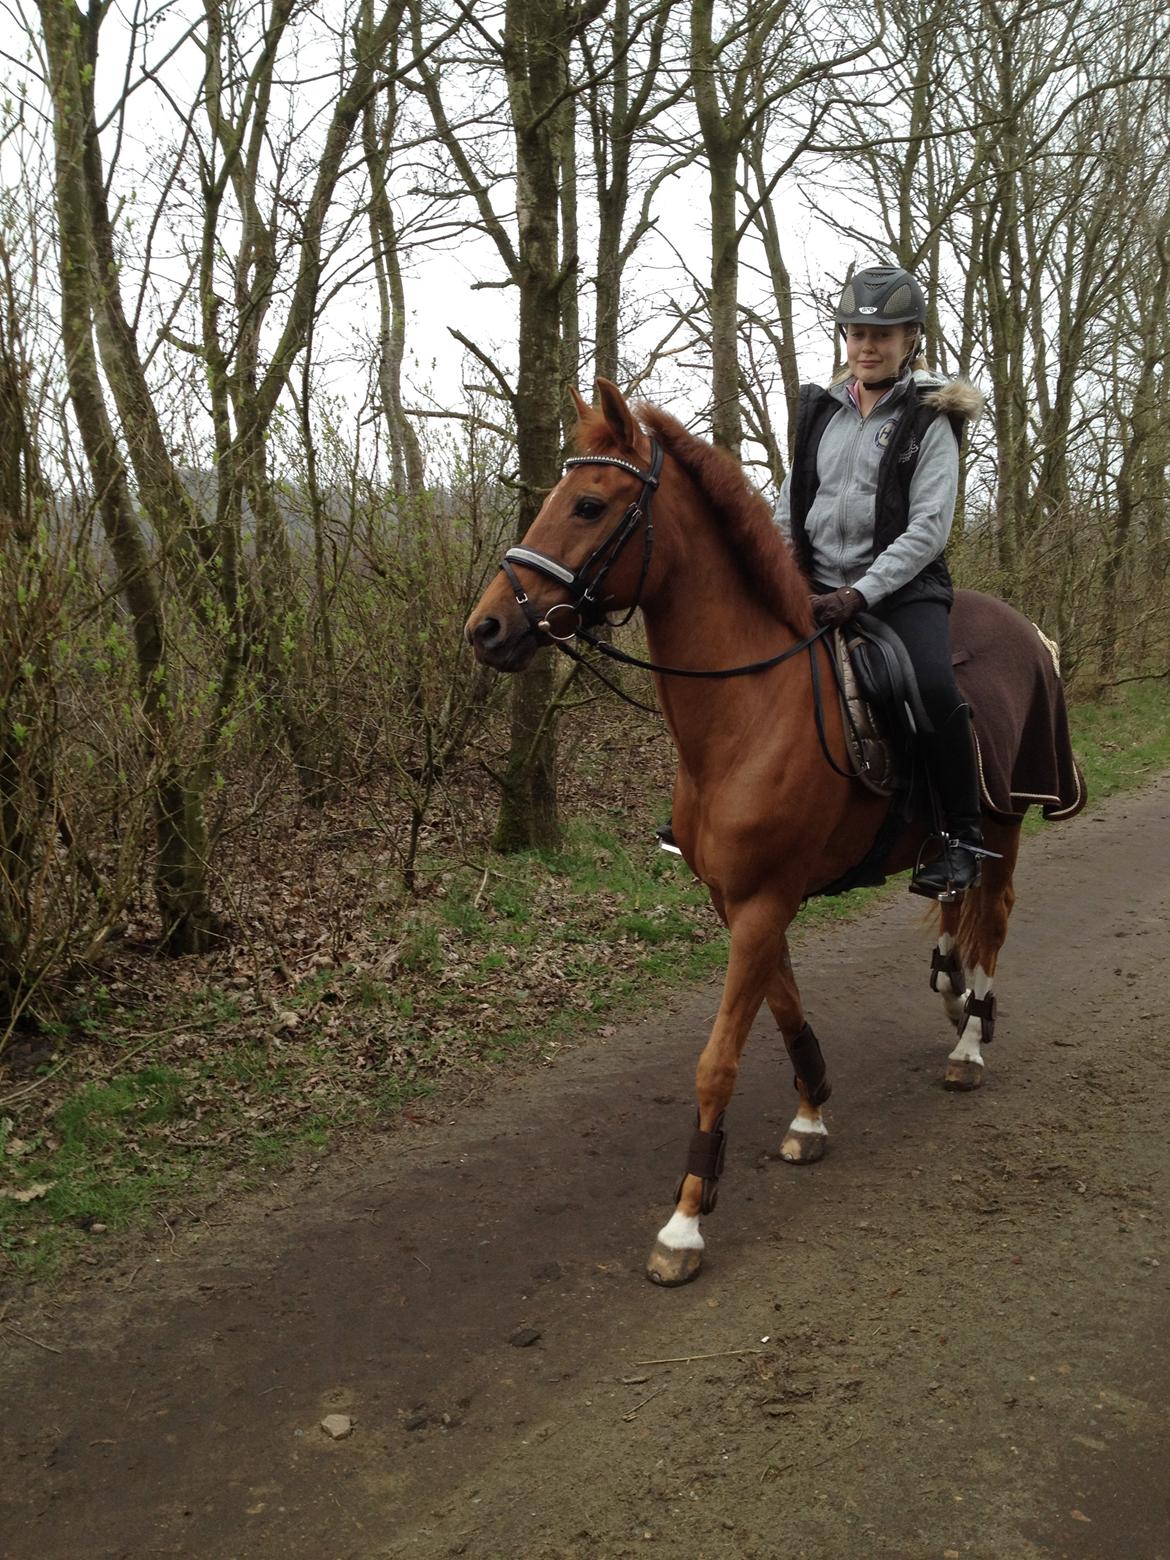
(981, 931)
(807, 1136)
(756, 938)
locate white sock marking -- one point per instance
(967, 1049)
(970, 1041)
(812, 1126)
(681, 1232)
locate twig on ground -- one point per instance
(31, 1087)
(685, 1359)
(50, 1348)
(642, 1404)
(774, 1472)
(129, 1284)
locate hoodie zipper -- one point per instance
(843, 501)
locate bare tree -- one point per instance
(529, 60)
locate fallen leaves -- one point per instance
(27, 1194)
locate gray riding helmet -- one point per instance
(881, 295)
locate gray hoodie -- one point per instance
(841, 521)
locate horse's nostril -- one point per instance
(485, 632)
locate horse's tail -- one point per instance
(983, 915)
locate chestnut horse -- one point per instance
(656, 518)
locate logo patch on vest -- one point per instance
(886, 432)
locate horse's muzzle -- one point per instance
(507, 646)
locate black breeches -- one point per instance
(925, 629)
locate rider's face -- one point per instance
(876, 351)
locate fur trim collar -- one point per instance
(955, 397)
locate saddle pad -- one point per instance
(1007, 674)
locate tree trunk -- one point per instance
(536, 41)
(720, 143)
(181, 865)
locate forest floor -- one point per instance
(946, 1340)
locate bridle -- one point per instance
(586, 582)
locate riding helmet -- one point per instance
(881, 295)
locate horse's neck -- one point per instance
(709, 619)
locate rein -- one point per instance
(586, 610)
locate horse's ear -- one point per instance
(584, 410)
(617, 414)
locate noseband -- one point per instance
(564, 621)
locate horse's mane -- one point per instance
(768, 567)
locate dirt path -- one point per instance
(948, 1339)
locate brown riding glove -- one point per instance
(837, 606)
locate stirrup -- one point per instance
(666, 840)
(943, 888)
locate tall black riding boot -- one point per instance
(950, 753)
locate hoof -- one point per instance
(963, 1075)
(804, 1148)
(673, 1265)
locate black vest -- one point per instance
(892, 500)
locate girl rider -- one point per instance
(867, 509)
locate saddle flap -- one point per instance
(885, 675)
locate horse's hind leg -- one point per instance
(947, 976)
(979, 935)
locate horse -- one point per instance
(766, 808)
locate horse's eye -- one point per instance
(589, 508)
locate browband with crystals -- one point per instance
(611, 460)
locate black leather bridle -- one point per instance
(587, 581)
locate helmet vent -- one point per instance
(899, 302)
(848, 300)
